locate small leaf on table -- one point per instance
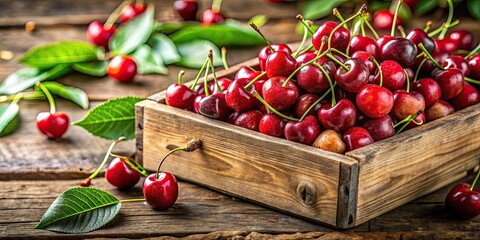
(162, 44)
(194, 53)
(73, 94)
(50, 55)
(80, 210)
(9, 119)
(96, 69)
(112, 119)
(149, 61)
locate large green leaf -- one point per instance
(169, 28)
(112, 119)
(149, 61)
(9, 119)
(194, 53)
(27, 77)
(162, 44)
(133, 33)
(50, 55)
(318, 9)
(229, 33)
(424, 6)
(96, 69)
(73, 94)
(474, 8)
(80, 210)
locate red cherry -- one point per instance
(53, 125)
(303, 132)
(365, 57)
(353, 79)
(467, 97)
(401, 50)
(474, 65)
(240, 99)
(131, 11)
(462, 39)
(303, 103)
(340, 38)
(311, 79)
(383, 19)
(196, 102)
(98, 34)
(120, 175)
(214, 106)
(384, 40)
(122, 68)
(339, 117)
(248, 73)
(361, 43)
(445, 45)
(356, 137)
(187, 9)
(407, 104)
(450, 81)
(463, 202)
(374, 101)
(272, 125)
(305, 57)
(439, 110)
(418, 36)
(429, 89)
(162, 192)
(457, 62)
(278, 96)
(393, 75)
(266, 51)
(249, 120)
(421, 118)
(379, 128)
(180, 96)
(210, 17)
(222, 82)
(280, 64)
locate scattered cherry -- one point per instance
(99, 34)
(129, 12)
(187, 9)
(120, 175)
(52, 124)
(122, 68)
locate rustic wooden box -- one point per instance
(338, 190)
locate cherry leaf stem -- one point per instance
(49, 96)
(374, 32)
(474, 51)
(363, 8)
(305, 24)
(427, 27)
(105, 159)
(254, 80)
(132, 164)
(305, 114)
(338, 62)
(474, 181)
(337, 14)
(449, 19)
(216, 5)
(305, 36)
(379, 70)
(199, 74)
(334, 102)
(132, 200)
(418, 69)
(255, 93)
(263, 36)
(210, 61)
(180, 76)
(191, 146)
(408, 80)
(224, 58)
(470, 80)
(395, 15)
(429, 56)
(442, 27)
(116, 13)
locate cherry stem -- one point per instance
(337, 14)
(94, 174)
(406, 121)
(301, 66)
(474, 181)
(443, 27)
(49, 96)
(402, 31)
(470, 80)
(180, 75)
(338, 62)
(362, 28)
(255, 93)
(307, 49)
(305, 35)
(224, 58)
(475, 50)
(199, 74)
(418, 69)
(305, 24)
(263, 36)
(205, 81)
(427, 27)
(365, 20)
(132, 164)
(132, 200)
(334, 102)
(115, 14)
(191, 146)
(340, 52)
(305, 114)
(254, 80)
(408, 80)
(363, 8)
(379, 70)
(429, 56)
(16, 98)
(216, 5)
(210, 60)
(394, 23)
(449, 19)
(24, 96)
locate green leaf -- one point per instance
(148, 61)
(96, 69)
(318, 9)
(80, 210)
(474, 8)
(424, 6)
(133, 33)
(73, 94)
(9, 119)
(169, 28)
(161, 44)
(50, 55)
(194, 53)
(112, 119)
(27, 77)
(229, 33)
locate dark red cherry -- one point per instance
(462, 202)
(210, 17)
(383, 19)
(462, 39)
(303, 103)
(384, 40)
(122, 68)
(450, 81)
(439, 110)
(454, 61)
(400, 50)
(303, 132)
(214, 106)
(474, 65)
(222, 82)
(418, 36)
(305, 57)
(120, 175)
(249, 120)
(379, 128)
(365, 57)
(356, 137)
(374, 101)
(278, 96)
(240, 99)
(99, 35)
(180, 96)
(445, 45)
(427, 67)
(353, 79)
(162, 192)
(393, 75)
(311, 79)
(266, 51)
(129, 12)
(429, 89)
(361, 43)
(53, 125)
(280, 64)
(196, 102)
(467, 97)
(340, 38)
(421, 118)
(407, 104)
(339, 117)
(187, 9)
(272, 125)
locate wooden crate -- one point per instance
(338, 190)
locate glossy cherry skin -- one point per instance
(160, 193)
(180, 96)
(361, 43)
(278, 96)
(462, 202)
(474, 65)
(196, 102)
(53, 125)
(340, 38)
(357, 137)
(122, 68)
(272, 125)
(187, 9)
(429, 89)
(131, 11)
(222, 82)
(384, 40)
(266, 51)
(467, 97)
(454, 61)
(365, 57)
(249, 120)
(311, 79)
(383, 20)
(240, 99)
(379, 128)
(248, 73)
(304, 132)
(339, 117)
(400, 50)
(427, 67)
(451, 82)
(445, 45)
(421, 118)
(374, 101)
(98, 34)
(353, 79)
(462, 39)
(407, 104)
(393, 75)
(210, 17)
(418, 36)
(280, 64)
(214, 106)
(439, 110)
(304, 102)
(305, 57)
(120, 175)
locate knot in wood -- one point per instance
(307, 193)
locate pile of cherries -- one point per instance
(343, 92)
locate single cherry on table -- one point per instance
(122, 68)
(52, 124)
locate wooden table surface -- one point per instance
(34, 170)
